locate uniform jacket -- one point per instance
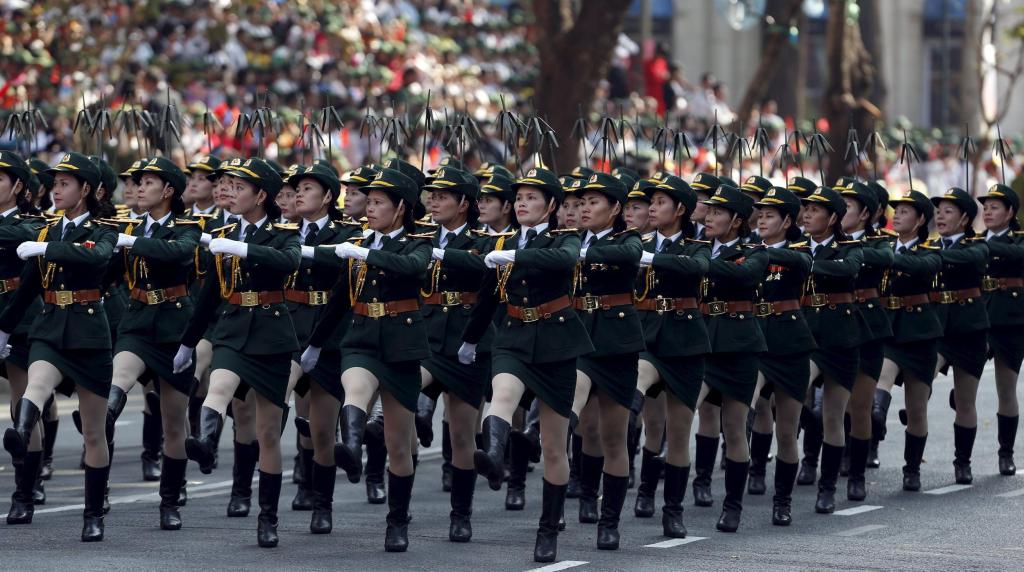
(788, 268)
(611, 267)
(834, 270)
(963, 267)
(734, 276)
(1006, 260)
(461, 270)
(913, 272)
(675, 272)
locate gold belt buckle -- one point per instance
(762, 309)
(250, 299)
(530, 315)
(451, 298)
(717, 308)
(375, 309)
(946, 297)
(894, 303)
(591, 303)
(818, 300)
(64, 297)
(155, 296)
(664, 304)
(318, 298)
(988, 284)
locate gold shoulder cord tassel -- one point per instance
(648, 283)
(46, 273)
(435, 276)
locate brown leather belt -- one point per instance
(591, 303)
(733, 307)
(950, 296)
(380, 309)
(159, 295)
(764, 309)
(450, 299)
(536, 313)
(67, 297)
(9, 285)
(308, 298)
(819, 300)
(250, 299)
(667, 304)
(906, 302)
(865, 294)
(990, 284)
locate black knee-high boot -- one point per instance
(913, 453)
(576, 445)
(590, 486)
(323, 478)
(612, 499)
(785, 478)
(172, 474)
(348, 455)
(703, 465)
(92, 516)
(856, 487)
(270, 494)
(425, 420)
(376, 457)
(50, 427)
(675, 489)
(651, 467)
(519, 453)
(879, 416)
(831, 457)
(760, 446)
(963, 447)
(16, 438)
(446, 455)
(246, 457)
(396, 536)
(732, 506)
(814, 434)
(203, 449)
(552, 504)
(22, 504)
(490, 463)
(152, 443)
(304, 490)
(1007, 438)
(463, 484)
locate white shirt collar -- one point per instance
(9, 212)
(134, 215)
(660, 238)
(245, 225)
(955, 238)
(719, 245)
(857, 234)
(522, 232)
(599, 235)
(78, 220)
(815, 244)
(777, 244)
(377, 236)
(445, 232)
(320, 224)
(989, 235)
(150, 221)
(906, 245)
(207, 210)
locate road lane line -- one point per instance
(675, 542)
(856, 510)
(948, 489)
(563, 565)
(1011, 494)
(861, 530)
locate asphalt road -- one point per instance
(979, 527)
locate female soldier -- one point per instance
(959, 307)
(253, 338)
(535, 348)
(70, 340)
(1004, 288)
(158, 259)
(731, 375)
(17, 227)
(677, 341)
(42, 199)
(861, 208)
(836, 325)
(910, 355)
(569, 213)
(355, 198)
(383, 346)
(785, 367)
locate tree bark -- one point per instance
(771, 59)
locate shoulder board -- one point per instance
(118, 220)
(486, 234)
(975, 239)
(283, 226)
(802, 244)
(564, 231)
(225, 228)
(422, 236)
(348, 222)
(878, 237)
(648, 237)
(629, 230)
(102, 222)
(1017, 233)
(25, 216)
(204, 215)
(54, 222)
(426, 224)
(888, 232)
(927, 247)
(848, 242)
(355, 239)
(696, 241)
(185, 221)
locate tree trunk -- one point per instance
(775, 43)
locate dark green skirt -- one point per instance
(680, 376)
(1007, 344)
(19, 351)
(872, 354)
(466, 382)
(838, 364)
(965, 351)
(614, 375)
(267, 374)
(789, 374)
(91, 370)
(400, 378)
(554, 382)
(915, 359)
(159, 360)
(327, 374)
(732, 375)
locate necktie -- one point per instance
(384, 239)
(448, 236)
(591, 240)
(70, 226)
(814, 250)
(947, 243)
(901, 249)
(152, 229)
(249, 231)
(716, 252)
(311, 234)
(530, 235)
(665, 245)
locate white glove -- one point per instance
(228, 246)
(205, 239)
(5, 348)
(498, 258)
(307, 251)
(646, 258)
(349, 250)
(583, 254)
(124, 240)
(467, 353)
(182, 359)
(309, 358)
(437, 254)
(27, 250)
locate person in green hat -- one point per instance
(495, 205)
(911, 353)
(355, 198)
(285, 199)
(862, 210)
(785, 367)
(604, 303)
(569, 211)
(487, 170)
(202, 178)
(958, 304)
(130, 186)
(253, 338)
(449, 294)
(667, 291)
(836, 324)
(320, 276)
(734, 274)
(704, 185)
(42, 200)
(70, 343)
(1004, 288)
(386, 341)
(755, 187)
(535, 348)
(638, 204)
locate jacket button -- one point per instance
(1014, 294)
(309, 271)
(689, 316)
(848, 312)
(622, 314)
(792, 316)
(408, 321)
(444, 309)
(277, 313)
(60, 269)
(91, 311)
(584, 279)
(149, 286)
(62, 286)
(561, 319)
(870, 306)
(525, 300)
(373, 282)
(374, 300)
(919, 309)
(741, 316)
(177, 304)
(508, 323)
(444, 277)
(524, 282)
